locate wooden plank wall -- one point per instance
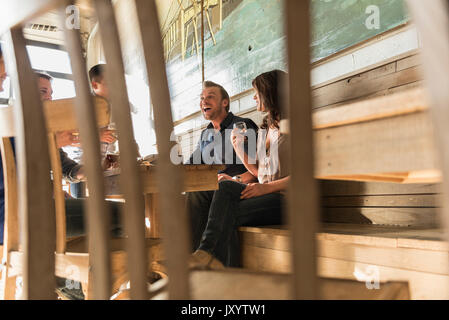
(380, 203)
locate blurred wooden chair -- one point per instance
(36, 217)
(72, 259)
(432, 21)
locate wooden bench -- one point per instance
(365, 225)
(418, 256)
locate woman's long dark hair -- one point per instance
(267, 85)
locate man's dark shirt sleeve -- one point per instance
(196, 154)
(69, 167)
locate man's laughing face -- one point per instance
(212, 104)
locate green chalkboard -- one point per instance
(338, 24)
(252, 41)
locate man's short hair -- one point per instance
(1, 53)
(224, 93)
(96, 73)
(44, 75)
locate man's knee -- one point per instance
(199, 198)
(230, 186)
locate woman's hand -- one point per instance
(253, 190)
(107, 136)
(67, 138)
(224, 176)
(237, 140)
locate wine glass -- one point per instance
(112, 149)
(241, 126)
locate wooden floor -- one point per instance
(362, 252)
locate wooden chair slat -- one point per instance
(58, 194)
(98, 217)
(303, 209)
(11, 226)
(59, 114)
(7, 122)
(36, 209)
(432, 20)
(129, 179)
(174, 220)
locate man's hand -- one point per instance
(253, 190)
(224, 176)
(67, 196)
(107, 136)
(67, 138)
(80, 175)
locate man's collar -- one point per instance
(225, 123)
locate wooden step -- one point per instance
(346, 251)
(238, 284)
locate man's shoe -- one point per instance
(201, 259)
(159, 270)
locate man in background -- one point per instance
(100, 88)
(107, 137)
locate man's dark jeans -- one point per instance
(75, 217)
(215, 228)
(78, 190)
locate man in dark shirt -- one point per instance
(71, 170)
(215, 147)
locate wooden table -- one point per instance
(196, 178)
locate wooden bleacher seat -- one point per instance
(251, 285)
(418, 256)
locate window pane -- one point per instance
(49, 59)
(6, 89)
(63, 88)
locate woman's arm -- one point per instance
(246, 177)
(278, 185)
(257, 189)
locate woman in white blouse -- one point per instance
(254, 198)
